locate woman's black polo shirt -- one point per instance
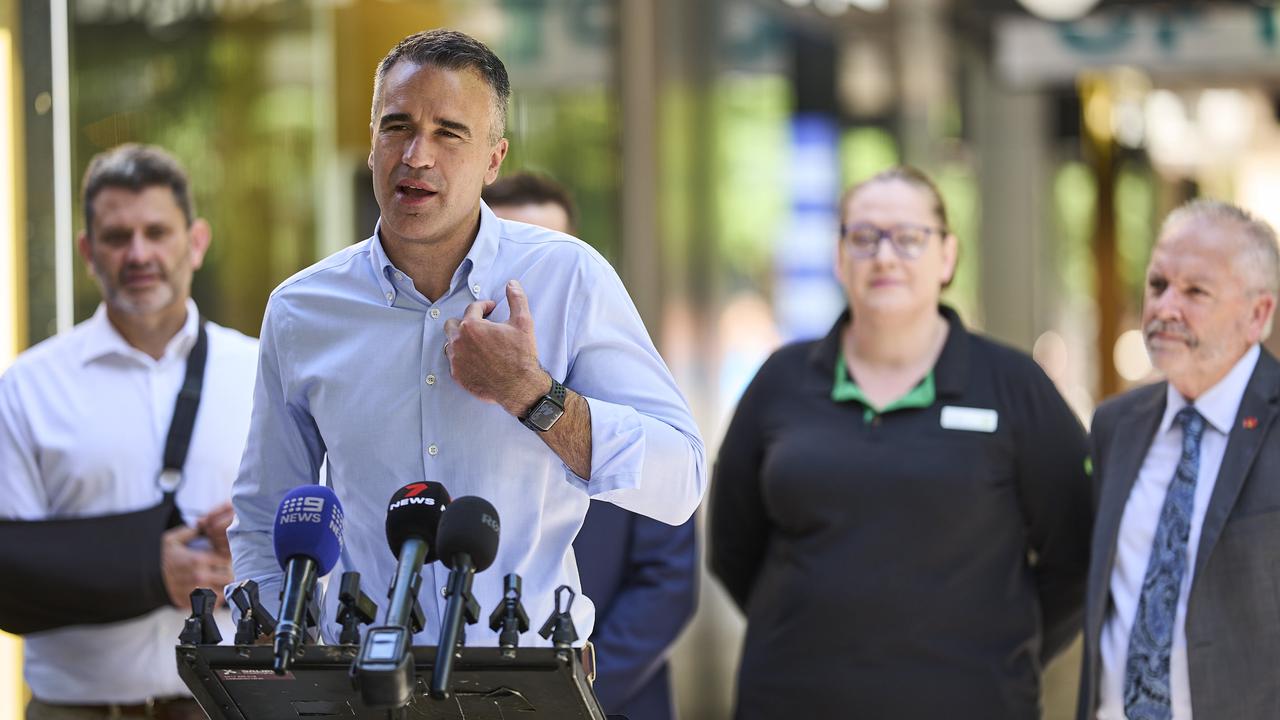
(915, 563)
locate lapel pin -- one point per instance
(1250, 423)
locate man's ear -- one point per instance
(1264, 307)
(85, 246)
(200, 235)
(495, 160)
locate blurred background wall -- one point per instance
(706, 142)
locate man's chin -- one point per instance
(1169, 360)
(140, 304)
(411, 228)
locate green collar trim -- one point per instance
(845, 390)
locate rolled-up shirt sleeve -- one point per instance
(646, 453)
(284, 450)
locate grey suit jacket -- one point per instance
(1233, 612)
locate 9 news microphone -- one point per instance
(468, 543)
(383, 670)
(308, 540)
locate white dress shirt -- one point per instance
(353, 372)
(83, 422)
(1218, 406)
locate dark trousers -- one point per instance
(179, 709)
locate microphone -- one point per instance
(308, 540)
(413, 517)
(383, 670)
(468, 543)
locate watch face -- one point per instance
(544, 415)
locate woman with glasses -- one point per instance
(901, 509)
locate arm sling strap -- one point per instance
(102, 569)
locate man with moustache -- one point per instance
(499, 359)
(84, 419)
(1182, 616)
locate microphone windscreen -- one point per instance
(470, 526)
(309, 524)
(414, 511)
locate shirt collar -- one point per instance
(1220, 403)
(950, 372)
(474, 270)
(102, 339)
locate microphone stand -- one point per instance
(559, 625)
(255, 620)
(201, 628)
(355, 608)
(509, 619)
(462, 606)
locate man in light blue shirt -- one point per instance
(413, 356)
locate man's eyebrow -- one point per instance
(455, 126)
(394, 118)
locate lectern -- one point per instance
(235, 682)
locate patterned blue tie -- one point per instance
(1146, 671)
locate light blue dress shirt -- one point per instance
(352, 372)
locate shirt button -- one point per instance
(431, 379)
(391, 296)
(476, 288)
(432, 450)
(444, 591)
(435, 312)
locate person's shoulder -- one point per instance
(792, 352)
(1127, 403)
(1002, 358)
(324, 270)
(788, 358)
(231, 340)
(58, 350)
(543, 244)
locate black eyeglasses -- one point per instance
(908, 241)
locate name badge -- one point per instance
(972, 419)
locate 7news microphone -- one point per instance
(384, 668)
(308, 540)
(413, 518)
(468, 543)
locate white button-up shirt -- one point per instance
(1218, 406)
(83, 422)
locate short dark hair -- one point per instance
(135, 167)
(526, 188)
(449, 50)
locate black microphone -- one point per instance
(383, 670)
(308, 540)
(413, 518)
(468, 543)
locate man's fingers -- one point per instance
(214, 523)
(521, 317)
(479, 310)
(181, 534)
(216, 575)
